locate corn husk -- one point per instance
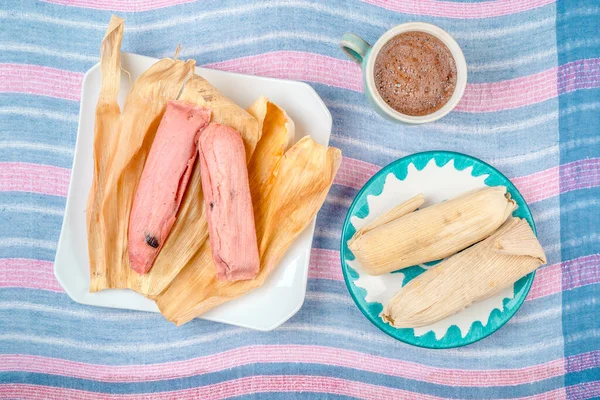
(105, 133)
(472, 275)
(403, 238)
(144, 107)
(190, 229)
(225, 112)
(277, 134)
(300, 184)
(122, 155)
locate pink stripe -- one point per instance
(478, 97)
(513, 93)
(548, 281)
(325, 264)
(581, 362)
(25, 273)
(534, 187)
(424, 7)
(123, 6)
(581, 271)
(355, 173)
(34, 178)
(452, 9)
(296, 354)
(538, 186)
(297, 65)
(44, 81)
(580, 74)
(587, 390)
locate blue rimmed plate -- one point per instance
(439, 175)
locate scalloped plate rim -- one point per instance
(375, 320)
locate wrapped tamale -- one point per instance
(472, 275)
(405, 237)
(228, 204)
(164, 181)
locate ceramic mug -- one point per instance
(364, 54)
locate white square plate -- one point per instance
(263, 309)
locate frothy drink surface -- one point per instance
(415, 73)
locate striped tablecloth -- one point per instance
(531, 108)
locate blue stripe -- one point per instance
(510, 347)
(303, 21)
(278, 369)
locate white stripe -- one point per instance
(351, 334)
(557, 211)
(95, 314)
(466, 34)
(480, 129)
(339, 201)
(586, 302)
(585, 335)
(551, 312)
(505, 31)
(233, 11)
(511, 63)
(37, 146)
(27, 242)
(354, 335)
(222, 45)
(121, 348)
(465, 129)
(38, 113)
(528, 59)
(330, 297)
(26, 48)
(593, 238)
(328, 233)
(41, 18)
(28, 208)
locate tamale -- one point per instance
(299, 186)
(472, 275)
(227, 203)
(164, 181)
(106, 130)
(432, 232)
(186, 239)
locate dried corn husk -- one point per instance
(124, 157)
(144, 107)
(409, 238)
(277, 134)
(225, 112)
(472, 275)
(186, 239)
(299, 186)
(106, 130)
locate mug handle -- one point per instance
(355, 47)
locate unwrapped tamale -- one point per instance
(164, 181)
(227, 203)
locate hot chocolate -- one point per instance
(415, 73)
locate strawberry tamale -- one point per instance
(228, 203)
(163, 182)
